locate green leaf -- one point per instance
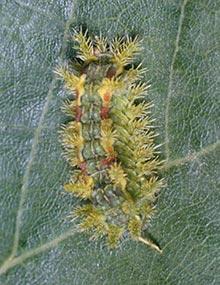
(38, 243)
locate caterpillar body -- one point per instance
(109, 141)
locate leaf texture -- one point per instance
(38, 242)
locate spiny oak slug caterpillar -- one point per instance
(109, 141)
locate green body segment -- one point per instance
(91, 128)
(104, 193)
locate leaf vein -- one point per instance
(176, 49)
(33, 153)
(192, 156)
(14, 261)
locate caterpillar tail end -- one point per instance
(151, 244)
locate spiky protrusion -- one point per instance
(111, 141)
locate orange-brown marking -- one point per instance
(104, 113)
(108, 161)
(78, 113)
(77, 94)
(111, 72)
(83, 167)
(107, 96)
(110, 149)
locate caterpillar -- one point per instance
(109, 140)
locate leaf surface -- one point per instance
(38, 243)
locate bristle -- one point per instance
(117, 176)
(85, 47)
(101, 44)
(124, 51)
